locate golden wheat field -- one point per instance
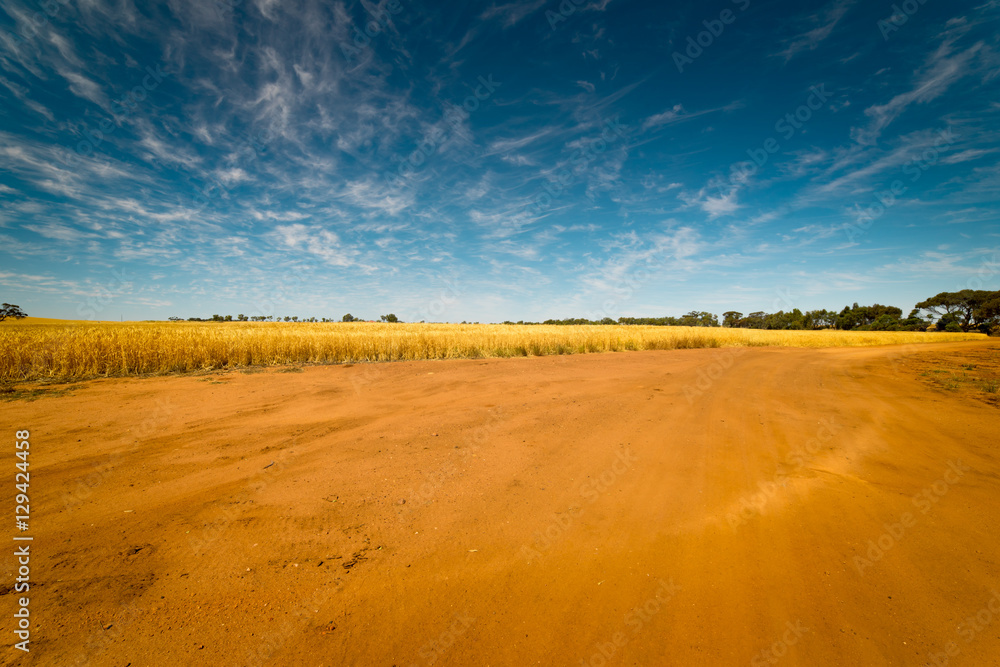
(76, 350)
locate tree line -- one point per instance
(277, 318)
(966, 310)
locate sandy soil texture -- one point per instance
(689, 507)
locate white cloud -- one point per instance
(58, 232)
(370, 195)
(83, 87)
(942, 70)
(518, 160)
(267, 7)
(723, 204)
(826, 21)
(718, 203)
(319, 242)
(908, 148)
(967, 156)
(507, 145)
(512, 13)
(665, 118)
(232, 176)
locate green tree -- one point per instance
(819, 319)
(987, 314)
(944, 303)
(348, 318)
(731, 318)
(979, 309)
(390, 318)
(947, 320)
(795, 320)
(10, 310)
(914, 322)
(697, 318)
(885, 322)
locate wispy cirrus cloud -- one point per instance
(823, 22)
(943, 68)
(512, 13)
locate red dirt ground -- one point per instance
(690, 507)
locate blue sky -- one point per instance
(486, 161)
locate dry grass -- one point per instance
(60, 351)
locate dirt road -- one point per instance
(689, 507)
